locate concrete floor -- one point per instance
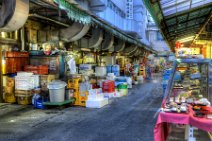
(129, 118)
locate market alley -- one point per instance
(130, 118)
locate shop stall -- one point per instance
(54, 62)
(187, 99)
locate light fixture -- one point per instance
(85, 49)
(186, 39)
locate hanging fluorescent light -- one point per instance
(85, 49)
(186, 39)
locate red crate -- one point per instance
(17, 54)
(41, 70)
(108, 90)
(30, 67)
(108, 86)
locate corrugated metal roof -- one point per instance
(180, 18)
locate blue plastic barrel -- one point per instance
(109, 68)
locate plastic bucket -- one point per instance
(57, 91)
(57, 95)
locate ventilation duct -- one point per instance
(108, 42)
(13, 14)
(133, 52)
(74, 32)
(138, 52)
(94, 41)
(130, 49)
(120, 46)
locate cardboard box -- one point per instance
(8, 89)
(10, 82)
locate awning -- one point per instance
(179, 19)
(78, 15)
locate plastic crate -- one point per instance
(23, 92)
(41, 70)
(73, 83)
(83, 96)
(17, 54)
(10, 98)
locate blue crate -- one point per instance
(166, 77)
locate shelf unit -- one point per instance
(202, 67)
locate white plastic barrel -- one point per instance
(100, 71)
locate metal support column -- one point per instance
(1, 77)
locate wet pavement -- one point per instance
(129, 118)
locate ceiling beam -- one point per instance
(187, 28)
(192, 19)
(209, 5)
(183, 34)
(170, 6)
(203, 27)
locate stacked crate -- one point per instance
(9, 95)
(108, 86)
(41, 69)
(24, 97)
(73, 84)
(24, 84)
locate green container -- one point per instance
(122, 86)
(123, 92)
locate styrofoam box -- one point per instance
(96, 103)
(25, 74)
(95, 91)
(108, 95)
(26, 82)
(117, 94)
(95, 97)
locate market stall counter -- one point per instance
(187, 100)
(161, 129)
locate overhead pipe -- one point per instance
(48, 19)
(108, 42)
(133, 52)
(120, 46)
(13, 14)
(71, 33)
(74, 32)
(137, 52)
(130, 49)
(95, 40)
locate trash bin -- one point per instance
(57, 91)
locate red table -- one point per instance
(161, 127)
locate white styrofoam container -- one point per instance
(36, 79)
(100, 71)
(117, 94)
(96, 97)
(95, 91)
(24, 74)
(26, 82)
(85, 67)
(96, 103)
(108, 95)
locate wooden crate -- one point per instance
(24, 100)
(23, 92)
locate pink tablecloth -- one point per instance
(161, 127)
